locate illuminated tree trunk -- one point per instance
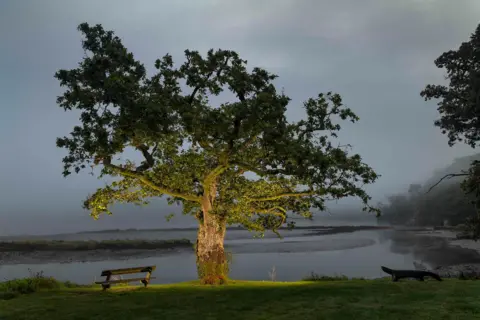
(212, 264)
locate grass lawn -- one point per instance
(351, 299)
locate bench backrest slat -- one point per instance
(128, 271)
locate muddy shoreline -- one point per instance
(451, 236)
(90, 245)
(59, 251)
(55, 251)
(121, 233)
(458, 271)
(43, 257)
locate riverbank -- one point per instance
(60, 245)
(126, 233)
(351, 299)
(39, 251)
(457, 271)
(58, 251)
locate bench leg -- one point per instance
(106, 285)
(147, 279)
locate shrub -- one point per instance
(34, 282)
(316, 277)
(468, 276)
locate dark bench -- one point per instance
(416, 274)
(109, 273)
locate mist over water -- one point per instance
(377, 59)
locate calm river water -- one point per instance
(356, 254)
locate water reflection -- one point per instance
(434, 251)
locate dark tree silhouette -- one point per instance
(459, 108)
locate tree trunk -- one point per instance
(212, 264)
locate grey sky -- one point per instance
(378, 54)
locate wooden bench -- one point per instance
(416, 274)
(109, 273)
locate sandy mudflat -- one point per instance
(63, 256)
(451, 237)
(39, 257)
(447, 234)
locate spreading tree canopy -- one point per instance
(239, 162)
(459, 108)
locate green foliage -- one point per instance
(169, 217)
(459, 107)
(192, 150)
(35, 282)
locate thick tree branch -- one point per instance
(204, 145)
(209, 181)
(237, 122)
(282, 212)
(192, 96)
(241, 95)
(276, 211)
(282, 195)
(155, 147)
(247, 167)
(258, 172)
(144, 180)
(219, 71)
(246, 144)
(334, 182)
(149, 160)
(447, 176)
(236, 130)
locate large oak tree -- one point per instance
(239, 162)
(459, 109)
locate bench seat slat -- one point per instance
(127, 271)
(122, 280)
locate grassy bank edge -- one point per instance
(36, 282)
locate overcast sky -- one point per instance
(378, 54)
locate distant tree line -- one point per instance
(444, 206)
(421, 205)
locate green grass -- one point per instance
(341, 299)
(60, 245)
